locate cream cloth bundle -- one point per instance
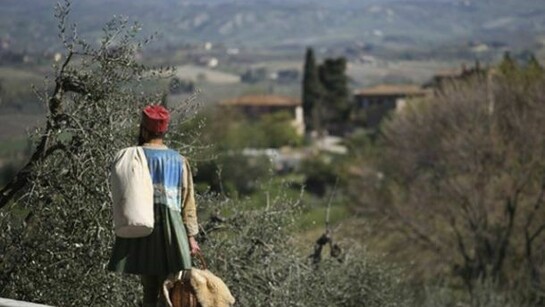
(132, 194)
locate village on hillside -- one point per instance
(366, 109)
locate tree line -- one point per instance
(461, 176)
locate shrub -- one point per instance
(253, 252)
(233, 174)
(319, 173)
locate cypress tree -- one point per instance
(311, 92)
(332, 74)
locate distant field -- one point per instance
(279, 64)
(13, 75)
(197, 73)
(212, 93)
(17, 125)
(12, 149)
(367, 74)
(16, 88)
(417, 72)
(361, 74)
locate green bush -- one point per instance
(279, 130)
(233, 174)
(228, 129)
(320, 174)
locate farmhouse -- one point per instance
(376, 102)
(255, 106)
(449, 76)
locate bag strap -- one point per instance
(200, 257)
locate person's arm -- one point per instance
(189, 208)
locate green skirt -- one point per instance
(164, 251)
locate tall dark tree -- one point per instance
(311, 92)
(332, 74)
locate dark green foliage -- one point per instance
(326, 98)
(233, 131)
(270, 131)
(336, 108)
(278, 130)
(320, 173)
(311, 92)
(233, 174)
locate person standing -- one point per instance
(169, 247)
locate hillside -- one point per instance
(392, 24)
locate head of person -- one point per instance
(154, 123)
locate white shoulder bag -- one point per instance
(132, 194)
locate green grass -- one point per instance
(288, 188)
(316, 217)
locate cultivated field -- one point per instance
(196, 73)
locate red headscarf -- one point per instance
(155, 118)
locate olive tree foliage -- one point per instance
(253, 251)
(55, 215)
(462, 176)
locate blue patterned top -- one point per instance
(166, 168)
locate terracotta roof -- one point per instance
(262, 100)
(385, 89)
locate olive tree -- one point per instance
(55, 213)
(254, 251)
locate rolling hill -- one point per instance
(398, 24)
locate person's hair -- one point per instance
(155, 135)
(151, 135)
